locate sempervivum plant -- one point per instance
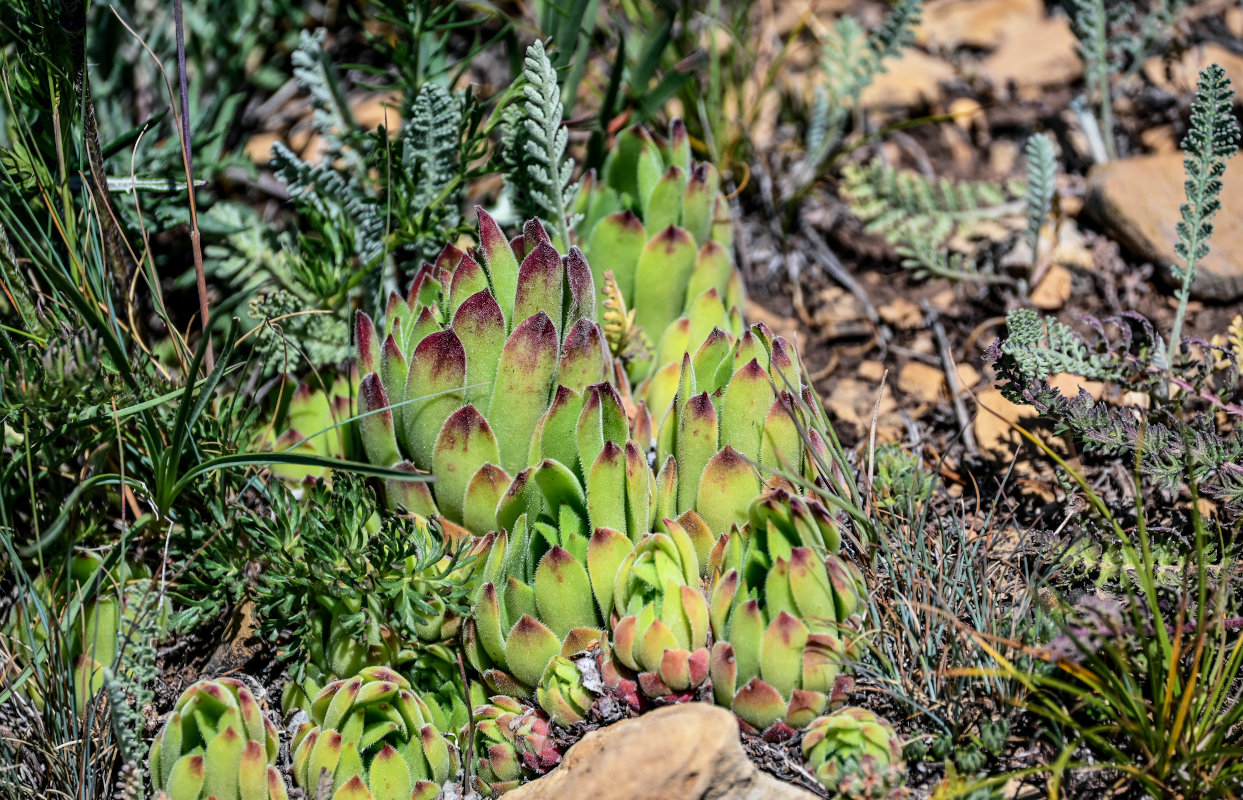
(734, 405)
(372, 737)
(314, 422)
(662, 618)
(95, 635)
(470, 363)
(659, 223)
(217, 743)
(562, 693)
(780, 610)
(855, 755)
(512, 743)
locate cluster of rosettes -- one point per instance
(639, 512)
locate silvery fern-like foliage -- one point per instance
(1041, 183)
(129, 684)
(1213, 138)
(341, 206)
(851, 60)
(1173, 437)
(314, 73)
(431, 163)
(1038, 347)
(920, 215)
(536, 163)
(1091, 22)
(290, 336)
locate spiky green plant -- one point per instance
(855, 755)
(661, 633)
(659, 223)
(512, 744)
(781, 613)
(372, 737)
(562, 693)
(495, 378)
(217, 744)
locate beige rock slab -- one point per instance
(1139, 198)
(977, 23)
(914, 79)
(1180, 76)
(921, 382)
(684, 752)
(1053, 290)
(1046, 53)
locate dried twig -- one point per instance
(951, 375)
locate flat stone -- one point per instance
(913, 80)
(1053, 290)
(985, 24)
(921, 382)
(1138, 200)
(1180, 76)
(684, 752)
(1047, 54)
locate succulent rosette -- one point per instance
(469, 364)
(539, 602)
(781, 612)
(315, 423)
(372, 736)
(512, 744)
(855, 755)
(217, 743)
(562, 693)
(658, 222)
(662, 625)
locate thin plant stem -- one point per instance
(187, 158)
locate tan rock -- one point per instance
(1045, 55)
(950, 24)
(871, 371)
(1071, 249)
(376, 110)
(1053, 290)
(1138, 199)
(921, 382)
(259, 147)
(1180, 76)
(852, 402)
(1069, 385)
(1002, 156)
(1234, 21)
(914, 79)
(925, 383)
(1159, 139)
(683, 752)
(966, 111)
(968, 377)
(944, 299)
(902, 314)
(992, 423)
